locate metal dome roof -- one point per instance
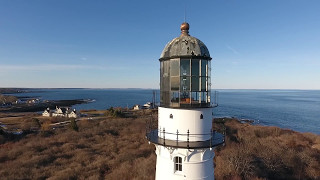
(185, 46)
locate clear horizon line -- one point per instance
(149, 88)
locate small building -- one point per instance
(136, 107)
(147, 105)
(33, 101)
(18, 101)
(72, 114)
(61, 112)
(47, 113)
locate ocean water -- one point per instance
(298, 110)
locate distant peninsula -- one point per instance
(10, 103)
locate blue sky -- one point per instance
(265, 44)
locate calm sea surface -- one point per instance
(293, 109)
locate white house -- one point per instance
(47, 113)
(136, 107)
(61, 112)
(147, 105)
(72, 114)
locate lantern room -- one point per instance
(185, 71)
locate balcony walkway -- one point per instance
(215, 140)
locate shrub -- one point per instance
(73, 125)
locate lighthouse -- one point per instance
(184, 138)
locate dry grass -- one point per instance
(259, 152)
(116, 148)
(106, 149)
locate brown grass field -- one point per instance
(116, 148)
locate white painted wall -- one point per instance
(196, 164)
(184, 119)
(46, 113)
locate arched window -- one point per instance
(177, 164)
(171, 116)
(201, 116)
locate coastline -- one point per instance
(17, 103)
(41, 106)
(294, 109)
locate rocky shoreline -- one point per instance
(20, 103)
(36, 107)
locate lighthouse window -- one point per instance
(177, 163)
(175, 98)
(185, 83)
(209, 83)
(209, 68)
(203, 97)
(185, 68)
(166, 68)
(204, 68)
(175, 83)
(195, 67)
(203, 83)
(201, 116)
(174, 67)
(171, 116)
(195, 83)
(195, 96)
(161, 69)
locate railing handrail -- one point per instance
(163, 132)
(213, 141)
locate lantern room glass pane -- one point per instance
(209, 69)
(185, 97)
(203, 84)
(161, 69)
(166, 68)
(175, 98)
(174, 67)
(195, 83)
(165, 79)
(165, 98)
(175, 83)
(185, 83)
(209, 83)
(195, 67)
(204, 67)
(185, 67)
(203, 97)
(161, 74)
(195, 97)
(166, 83)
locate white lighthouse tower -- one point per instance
(184, 138)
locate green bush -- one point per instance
(73, 125)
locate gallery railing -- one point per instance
(183, 139)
